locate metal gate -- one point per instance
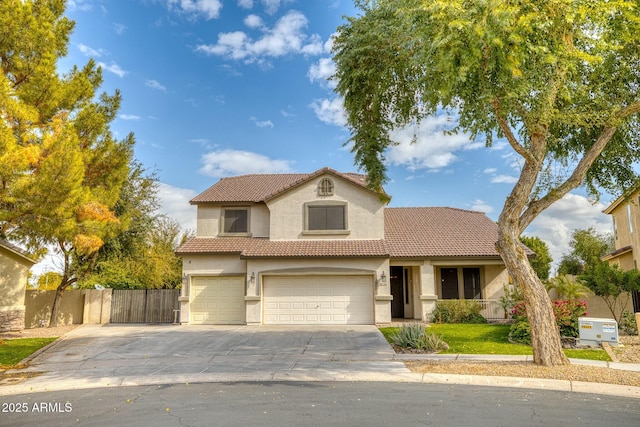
(144, 305)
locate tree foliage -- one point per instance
(142, 253)
(557, 79)
(62, 167)
(587, 247)
(541, 263)
(613, 285)
(568, 288)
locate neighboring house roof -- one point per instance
(626, 196)
(264, 248)
(439, 232)
(409, 233)
(21, 253)
(262, 187)
(617, 253)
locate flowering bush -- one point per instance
(566, 312)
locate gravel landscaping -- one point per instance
(629, 353)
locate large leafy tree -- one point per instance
(557, 79)
(142, 254)
(587, 247)
(62, 168)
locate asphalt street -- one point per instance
(317, 404)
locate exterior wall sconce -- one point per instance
(383, 278)
(253, 277)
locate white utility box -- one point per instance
(595, 331)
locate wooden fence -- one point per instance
(144, 305)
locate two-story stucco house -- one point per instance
(322, 248)
(625, 217)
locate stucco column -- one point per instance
(428, 295)
(253, 297)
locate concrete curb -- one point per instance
(387, 367)
(511, 358)
(49, 383)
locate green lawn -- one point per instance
(13, 351)
(490, 339)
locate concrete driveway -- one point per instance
(111, 355)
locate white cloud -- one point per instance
(154, 84)
(113, 68)
(88, 51)
(426, 146)
(321, 71)
(174, 203)
(271, 6)
(330, 111)
(504, 179)
(119, 28)
(253, 21)
(262, 123)
(286, 37)
(490, 171)
(79, 5)
(570, 213)
(236, 162)
(129, 117)
(245, 4)
(482, 206)
(208, 9)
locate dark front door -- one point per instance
(449, 279)
(471, 283)
(397, 291)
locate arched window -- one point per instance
(325, 188)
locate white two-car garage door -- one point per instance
(217, 300)
(318, 300)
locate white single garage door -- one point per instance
(217, 300)
(318, 300)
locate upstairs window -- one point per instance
(325, 187)
(326, 217)
(235, 221)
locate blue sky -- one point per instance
(215, 88)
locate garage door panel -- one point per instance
(217, 300)
(318, 300)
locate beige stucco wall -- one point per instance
(13, 278)
(14, 271)
(596, 307)
(626, 226)
(365, 211)
(495, 278)
(38, 307)
(208, 219)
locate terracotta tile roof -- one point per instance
(439, 232)
(409, 233)
(265, 248)
(261, 187)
